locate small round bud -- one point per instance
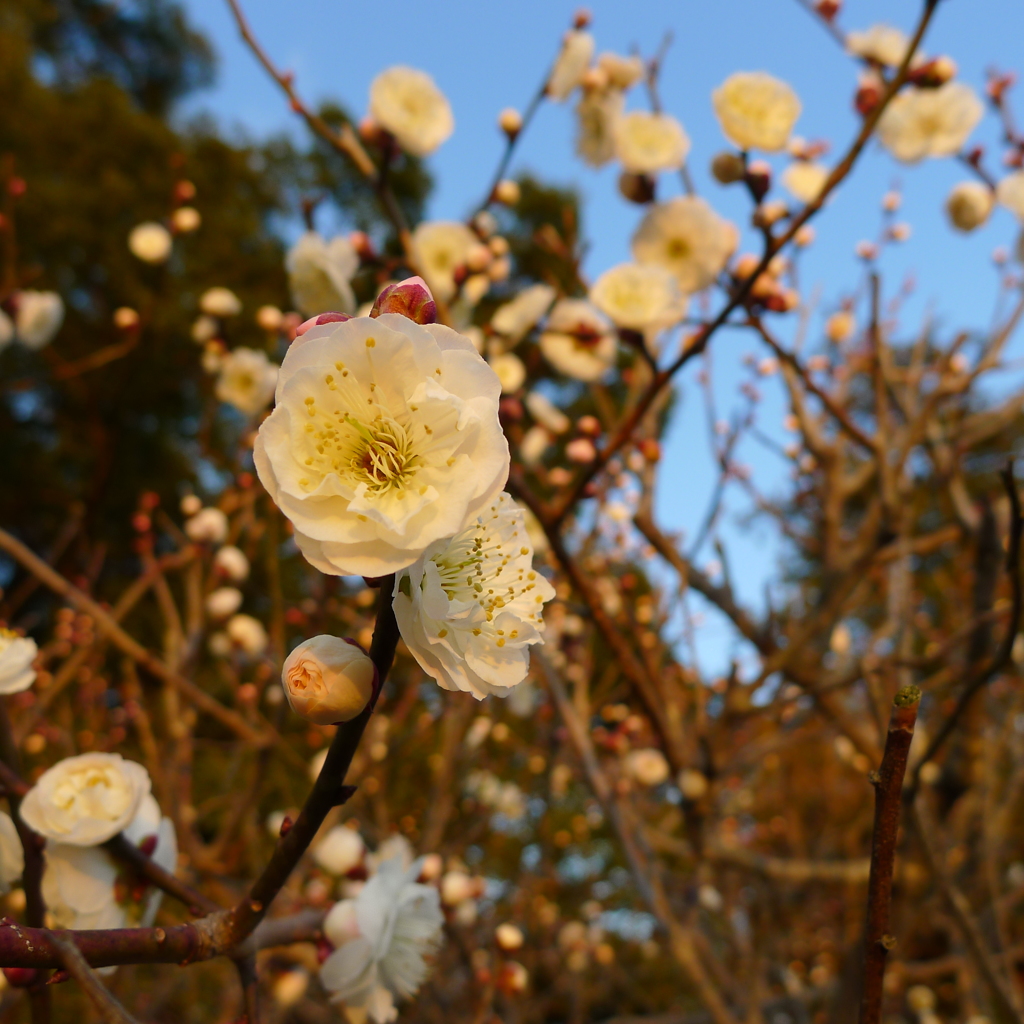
(891, 202)
(582, 18)
(269, 318)
(828, 9)
(514, 977)
(220, 302)
(840, 326)
(500, 269)
(223, 602)
(900, 232)
(589, 425)
(508, 937)
(340, 850)
(184, 191)
(581, 450)
(186, 219)
(150, 242)
(758, 177)
(478, 257)
(499, 245)
(727, 167)
(804, 236)
(866, 250)
(637, 188)
(969, 205)
(507, 192)
(510, 121)
(126, 318)
(692, 784)
(327, 680)
(191, 504)
(770, 213)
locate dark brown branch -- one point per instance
(109, 1009)
(127, 852)
(888, 800)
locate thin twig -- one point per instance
(109, 1009)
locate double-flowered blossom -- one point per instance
(578, 340)
(320, 272)
(384, 439)
(756, 111)
(470, 608)
(327, 679)
(647, 143)
(247, 380)
(408, 104)
(638, 297)
(688, 238)
(16, 656)
(382, 938)
(921, 123)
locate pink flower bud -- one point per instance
(410, 298)
(327, 680)
(323, 318)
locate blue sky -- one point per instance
(489, 56)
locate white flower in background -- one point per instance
(597, 115)
(6, 330)
(919, 123)
(12, 856)
(327, 679)
(570, 65)
(16, 656)
(204, 328)
(688, 238)
(639, 297)
(578, 340)
(382, 939)
(80, 882)
(320, 272)
(247, 633)
(804, 179)
(970, 203)
(546, 413)
(208, 526)
(648, 143)
(220, 302)
(232, 563)
(470, 608)
(409, 105)
(186, 219)
(85, 800)
(622, 72)
(535, 443)
(385, 438)
(441, 247)
(247, 380)
(883, 44)
(37, 318)
(756, 111)
(1010, 193)
(692, 783)
(516, 318)
(223, 601)
(340, 850)
(150, 242)
(647, 766)
(840, 326)
(509, 370)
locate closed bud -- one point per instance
(410, 298)
(186, 219)
(869, 93)
(727, 167)
(327, 679)
(828, 9)
(510, 121)
(333, 317)
(582, 18)
(506, 192)
(935, 72)
(184, 191)
(125, 318)
(637, 188)
(269, 318)
(508, 937)
(758, 177)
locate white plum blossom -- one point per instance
(384, 439)
(327, 679)
(571, 64)
(208, 526)
(647, 766)
(579, 340)
(382, 937)
(1010, 193)
(85, 800)
(510, 371)
(756, 111)
(232, 562)
(150, 242)
(247, 633)
(516, 318)
(687, 237)
(921, 123)
(883, 44)
(622, 72)
(410, 106)
(804, 179)
(220, 302)
(970, 203)
(247, 380)
(320, 272)
(12, 855)
(341, 849)
(597, 116)
(470, 608)
(223, 601)
(546, 413)
(647, 143)
(37, 318)
(441, 247)
(639, 297)
(16, 656)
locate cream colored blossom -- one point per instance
(327, 680)
(441, 247)
(921, 123)
(208, 526)
(220, 302)
(6, 330)
(970, 203)
(340, 850)
(247, 633)
(883, 44)
(546, 413)
(222, 602)
(639, 297)
(37, 318)
(12, 855)
(514, 319)
(232, 563)
(647, 766)
(756, 111)
(186, 219)
(384, 439)
(622, 72)
(578, 340)
(597, 115)
(687, 237)
(150, 242)
(571, 64)
(1010, 193)
(409, 104)
(16, 656)
(320, 272)
(247, 380)
(804, 179)
(647, 143)
(470, 608)
(85, 800)
(509, 370)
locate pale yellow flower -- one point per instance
(571, 64)
(1010, 193)
(441, 247)
(597, 114)
(409, 105)
(970, 203)
(648, 143)
(883, 44)
(639, 297)
(805, 179)
(921, 123)
(756, 111)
